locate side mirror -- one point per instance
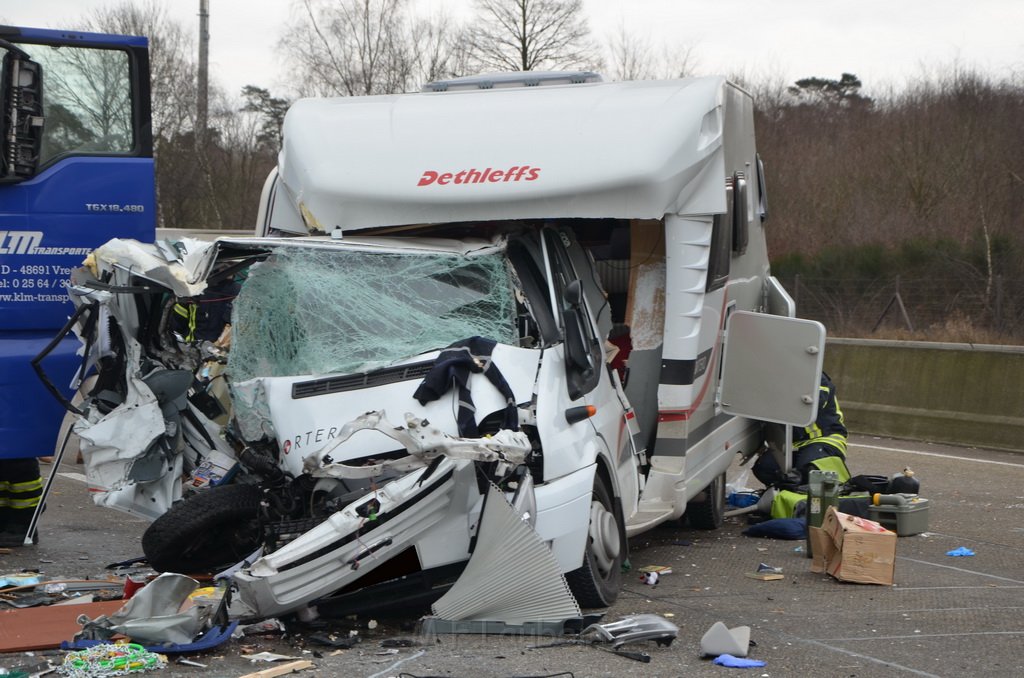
(740, 216)
(573, 294)
(21, 114)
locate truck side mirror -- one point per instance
(21, 114)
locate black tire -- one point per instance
(209, 530)
(596, 583)
(708, 512)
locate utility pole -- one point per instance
(202, 109)
(202, 100)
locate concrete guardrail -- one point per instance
(964, 394)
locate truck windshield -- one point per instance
(307, 312)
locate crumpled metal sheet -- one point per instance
(153, 615)
(512, 576)
(185, 276)
(111, 444)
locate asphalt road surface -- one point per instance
(945, 616)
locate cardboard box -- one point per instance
(853, 549)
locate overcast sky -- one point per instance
(881, 41)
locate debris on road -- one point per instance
(110, 659)
(766, 572)
(636, 628)
(650, 574)
(721, 640)
(737, 662)
(268, 657)
(284, 669)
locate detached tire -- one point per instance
(214, 528)
(596, 583)
(708, 513)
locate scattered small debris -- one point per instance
(766, 572)
(268, 657)
(262, 628)
(764, 576)
(399, 642)
(333, 641)
(656, 569)
(284, 669)
(19, 579)
(960, 552)
(650, 575)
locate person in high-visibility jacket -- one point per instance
(21, 487)
(822, 445)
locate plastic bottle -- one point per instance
(903, 483)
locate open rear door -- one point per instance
(771, 369)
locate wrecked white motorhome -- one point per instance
(561, 290)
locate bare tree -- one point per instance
(439, 49)
(360, 47)
(172, 67)
(631, 58)
(527, 35)
(638, 58)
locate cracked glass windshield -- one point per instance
(308, 312)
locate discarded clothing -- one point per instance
(453, 367)
(779, 528)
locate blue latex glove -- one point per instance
(962, 551)
(737, 662)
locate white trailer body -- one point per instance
(569, 225)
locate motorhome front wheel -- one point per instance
(596, 583)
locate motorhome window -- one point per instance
(304, 311)
(87, 100)
(721, 250)
(581, 345)
(535, 290)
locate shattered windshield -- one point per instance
(304, 311)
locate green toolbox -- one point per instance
(904, 514)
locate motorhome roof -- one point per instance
(589, 150)
(515, 79)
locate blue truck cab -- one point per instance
(76, 169)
